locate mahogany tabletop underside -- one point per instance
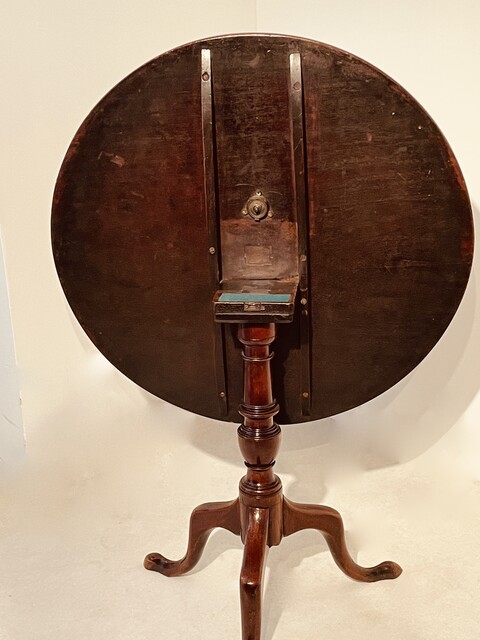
(389, 222)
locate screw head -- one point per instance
(211, 250)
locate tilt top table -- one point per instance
(245, 189)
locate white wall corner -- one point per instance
(12, 438)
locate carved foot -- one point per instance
(204, 519)
(297, 517)
(254, 556)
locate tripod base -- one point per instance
(261, 515)
(261, 527)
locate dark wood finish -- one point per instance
(299, 182)
(251, 575)
(259, 436)
(389, 222)
(204, 519)
(261, 515)
(297, 517)
(211, 210)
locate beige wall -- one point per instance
(12, 442)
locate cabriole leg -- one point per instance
(297, 517)
(203, 520)
(251, 576)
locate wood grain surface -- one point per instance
(390, 235)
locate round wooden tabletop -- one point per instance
(390, 235)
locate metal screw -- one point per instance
(258, 193)
(270, 214)
(303, 258)
(303, 301)
(244, 211)
(212, 250)
(222, 394)
(305, 394)
(297, 86)
(205, 76)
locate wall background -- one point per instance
(102, 474)
(12, 442)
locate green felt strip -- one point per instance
(254, 297)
